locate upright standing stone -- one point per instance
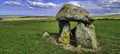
(61, 24)
(85, 36)
(65, 34)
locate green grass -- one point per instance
(25, 37)
(108, 33)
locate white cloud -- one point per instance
(12, 3)
(90, 5)
(30, 7)
(109, 3)
(41, 4)
(85, 4)
(77, 3)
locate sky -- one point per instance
(51, 7)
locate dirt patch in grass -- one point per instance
(71, 47)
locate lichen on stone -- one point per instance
(73, 13)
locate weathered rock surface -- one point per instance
(85, 36)
(61, 24)
(70, 12)
(65, 34)
(46, 34)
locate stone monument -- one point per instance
(83, 34)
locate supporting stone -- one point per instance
(94, 41)
(61, 24)
(64, 32)
(85, 36)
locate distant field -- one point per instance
(49, 18)
(25, 37)
(108, 17)
(21, 19)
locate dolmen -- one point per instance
(83, 34)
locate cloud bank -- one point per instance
(32, 4)
(76, 3)
(93, 6)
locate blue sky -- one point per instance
(51, 7)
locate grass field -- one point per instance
(25, 37)
(117, 16)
